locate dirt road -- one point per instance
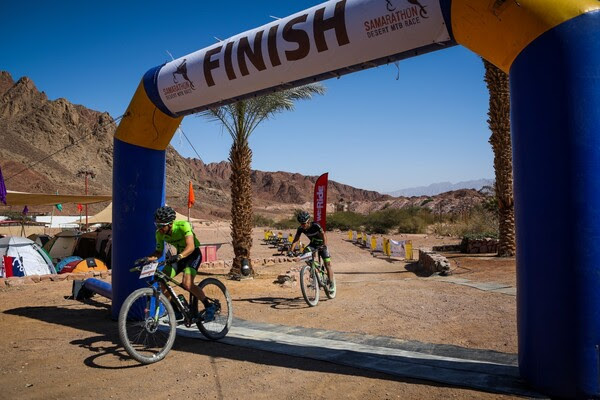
(54, 347)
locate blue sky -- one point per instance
(369, 130)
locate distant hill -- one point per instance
(441, 187)
(69, 137)
(43, 143)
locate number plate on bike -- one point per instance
(148, 270)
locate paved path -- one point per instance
(478, 369)
(487, 286)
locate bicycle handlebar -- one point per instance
(142, 264)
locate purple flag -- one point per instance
(2, 188)
(25, 210)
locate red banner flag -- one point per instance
(191, 198)
(79, 207)
(320, 201)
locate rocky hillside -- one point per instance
(46, 142)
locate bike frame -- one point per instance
(160, 277)
(317, 266)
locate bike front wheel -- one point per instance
(147, 326)
(217, 325)
(309, 285)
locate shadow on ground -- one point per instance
(261, 346)
(98, 322)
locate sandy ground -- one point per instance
(54, 347)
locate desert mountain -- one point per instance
(44, 143)
(442, 187)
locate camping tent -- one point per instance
(68, 243)
(20, 256)
(88, 265)
(62, 245)
(39, 238)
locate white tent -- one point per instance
(23, 257)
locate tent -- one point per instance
(66, 261)
(20, 256)
(69, 243)
(62, 245)
(87, 265)
(39, 238)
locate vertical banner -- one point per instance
(320, 201)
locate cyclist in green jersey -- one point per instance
(188, 258)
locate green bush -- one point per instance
(290, 223)
(478, 221)
(345, 220)
(260, 220)
(405, 220)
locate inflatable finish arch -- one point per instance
(551, 49)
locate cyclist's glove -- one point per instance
(141, 261)
(174, 259)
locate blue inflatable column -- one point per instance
(138, 190)
(555, 108)
(138, 183)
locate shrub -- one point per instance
(290, 223)
(478, 221)
(345, 220)
(405, 220)
(260, 220)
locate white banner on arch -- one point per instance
(325, 38)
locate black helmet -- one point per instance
(303, 217)
(164, 215)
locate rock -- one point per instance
(14, 281)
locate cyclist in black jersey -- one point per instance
(318, 240)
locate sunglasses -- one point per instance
(160, 225)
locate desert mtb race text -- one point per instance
(313, 276)
(147, 321)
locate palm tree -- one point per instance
(499, 123)
(240, 120)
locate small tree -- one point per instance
(240, 120)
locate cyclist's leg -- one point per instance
(192, 263)
(324, 253)
(189, 274)
(171, 272)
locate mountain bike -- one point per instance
(313, 277)
(147, 320)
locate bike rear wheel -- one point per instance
(216, 292)
(147, 326)
(309, 285)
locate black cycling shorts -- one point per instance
(323, 251)
(191, 263)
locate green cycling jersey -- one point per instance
(179, 231)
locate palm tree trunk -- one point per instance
(240, 158)
(499, 123)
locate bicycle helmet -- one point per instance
(164, 215)
(303, 217)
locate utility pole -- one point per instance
(91, 174)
